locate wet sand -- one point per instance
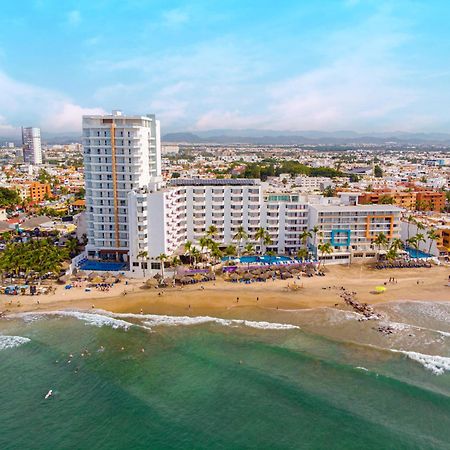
(219, 297)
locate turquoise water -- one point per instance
(206, 384)
(414, 253)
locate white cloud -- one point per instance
(25, 104)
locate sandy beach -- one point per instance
(219, 296)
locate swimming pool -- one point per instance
(258, 259)
(413, 253)
(104, 266)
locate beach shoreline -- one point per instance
(220, 297)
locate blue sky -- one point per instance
(289, 65)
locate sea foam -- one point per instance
(153, 320)
(437, 364)
(12, 341)
(95, 319)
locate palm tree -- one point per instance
(325, 249)
(314, 231)
(230, 250)
(264, 238)
(188, 249)
(395, 246)
(72, 246)
(249, 249)
(212, 231)
(420, 237)
(175, 262)
(302, 253)
(195, 254)
(240, 236)
(143, 255)
(204, 243)
(432, 236)
(216, 253)
(304, 236)
(381, 241)
(162, 257)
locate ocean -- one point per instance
(312, 379)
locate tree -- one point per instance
(395, 246)
(212, 231)
(249, 249)
(329, 191)
(386, 200)
(9, 197)
(162, 257)
(240, 236)
(263, 236)
(315, 230)
(230, 250)
(432, 236)
(378, 171)
(175, 262)
(143, 255)
(325, 249)
(302, 253)
(381, 241)
(72, 246)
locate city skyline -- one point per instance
(356, 65)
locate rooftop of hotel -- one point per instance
(214, 182)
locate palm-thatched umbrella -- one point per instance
(247, 276)
(97, 280)
(264, 276)
(91, 276)
(110, 280)
(64, 279)
(81, 274)
(286, 275)
(151, 282)
(157, 276)
(270, 273)
(198, 277)
(235, 277)
(186, 280)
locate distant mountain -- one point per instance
(272, 137)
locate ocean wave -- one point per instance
(12, 341)
(95, 319)
(435, 363)
(153, 320)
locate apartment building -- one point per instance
(310, 184)
(121, 154)
(421, 200)
(35, 191)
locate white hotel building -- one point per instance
(133, 216)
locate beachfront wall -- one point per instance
(351, 230)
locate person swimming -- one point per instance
(49, 394)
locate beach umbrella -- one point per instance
(286, 275)
(92, 275)
(97, 280)
(110, 280)
(151, 282)
(186, 280)
(198, 277)
(247, 276)
(235, 276)
(270, 273)
(380, 289)
(157, 276)
(64, 279)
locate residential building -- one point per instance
(32, 150)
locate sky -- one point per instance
(362, 65)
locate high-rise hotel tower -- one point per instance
(121, 153)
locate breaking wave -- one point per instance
(12, 341)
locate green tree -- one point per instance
(163, 258)
(433, 236)
(325, 249)
(378, 171)
(240, 236)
